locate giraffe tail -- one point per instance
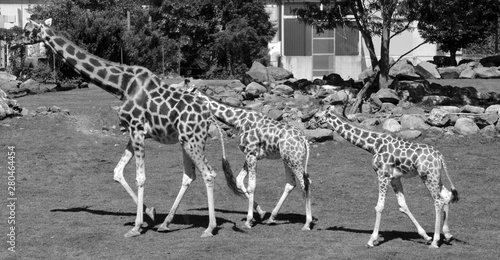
(226, 166)
(307, 181)
(454, 192)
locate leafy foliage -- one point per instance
(167, 36)
(456, 24)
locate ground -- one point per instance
(69, 207)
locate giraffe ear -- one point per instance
(48, 22)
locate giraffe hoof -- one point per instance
(163, 228)
(248, 225)
(448, 238)
(305, 228)
(132, 233)
(207, 234)
(433, 246)
(262, 215)
(151, 212)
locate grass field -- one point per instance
(69, 207)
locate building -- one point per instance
(298, 48)
(13, 13)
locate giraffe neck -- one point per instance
(240, 118)
(368, 140)
(107, 75)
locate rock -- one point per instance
(298, 125)
(468, 74)
(409, 134)
(255, 89)
(487, 72)
(319, 135)
(403, 68)
(234, 101)
(486, 119)
(490, 61)
(427, 70)
(413, 122)
(449, 72)
(415, 90)
(282, 90)
(391, 125)
(236, 86)
(489, 131)
(450, 109)
(257, 73)
(274, 113)
(6, 76)
(278, 73)
(5, 110)
(492, 108)
(438, 117)
(370, 123)
(466, 126)
(333, 79)
(338, 97)
(436, 100)
(387, 107)
(472, 109)
(368, 73)
(387, 95)
(31, 85)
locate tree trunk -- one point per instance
(388, 8)
(453, 57)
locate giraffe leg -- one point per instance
(251, 162)
(188, 177)
(195, 152)
(241, 185)
(289, 186)
(446, 230)
(138, 144)
(434, 187)
(403, 207)
(118, 177)
(383, 182)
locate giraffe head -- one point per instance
(33, 33)
(320, 118)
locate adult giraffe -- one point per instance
(150, 109)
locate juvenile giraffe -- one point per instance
(261, 137)
(394, 158)
(150, 109)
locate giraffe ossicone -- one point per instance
(150, 109)
(394, 158)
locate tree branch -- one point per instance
(414, 48)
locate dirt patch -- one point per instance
(70, 207)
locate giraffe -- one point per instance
(394, 158)
(150, 109)
(261, 137)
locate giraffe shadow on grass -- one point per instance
(193, 221)
(386, 236)
(281, 218)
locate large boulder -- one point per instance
(391, 125)
(438, 117)
(403, 68)
(257, 73)
(409, 134)
(427, 70)
(279, 73)
(254, 90)
(283, 90)
(386, 95)
(449, 72)
(413, 122)
(443, 61)
(466, 126)
(487, 72)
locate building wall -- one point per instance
(297, 53)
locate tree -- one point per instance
(101, 28)
(456, 24)
(385, 18)
(222, 37)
